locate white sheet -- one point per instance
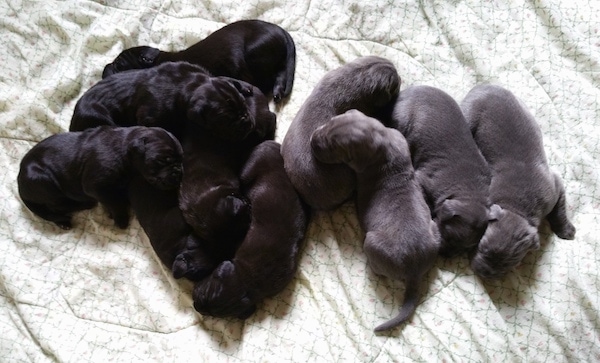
(99, 294)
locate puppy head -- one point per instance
(132, 58)
(223, 294)
(225, 217)
(219, 105)
(158, 156)
(505, 243)
(355, 139)
(461, 224)
(367, 83)
(265, 120)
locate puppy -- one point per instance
(165, 96)
(401, 240)
(368, 84)
(171, 237)
(210, 197)
(267, 259)
(73, 171)
(523, 189)
(453, 174)
(254, 51)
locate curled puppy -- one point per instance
(523, 189)
(368, 84)
(401, 240)
(171, 237)
(267, 259)
(210, 197)
(72, 171)
(162, 96)
(254, 51)
(453, 175)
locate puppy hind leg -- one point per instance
(558, 219)
(62, 220)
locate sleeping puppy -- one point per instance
(210, 197)
(401, 240)
(453, 174)
(267, 259)
(254, 51)
(523, 189)
(164, 96)
(171, 237)
(368, 84)
(73, 171)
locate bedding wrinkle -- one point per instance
(28, 332)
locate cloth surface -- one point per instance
(97, 293)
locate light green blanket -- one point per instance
(99, 294)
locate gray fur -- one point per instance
(453, 174)
(401, 240)
(524, 190)
(367, 84)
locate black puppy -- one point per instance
(267, 259)
(170, 236)
(210, 196)
(73, 171)
(164, 96)
(254, 51)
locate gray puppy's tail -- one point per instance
(285, 79)
(411, 300)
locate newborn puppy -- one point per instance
(162, 96)
(453, 174)
(267, 259)
(368, 84)
(73, 171)
(210, 196)
(401, 240)
(254, 51)
(170, 236)
(523, 189)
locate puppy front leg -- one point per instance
(116, 205)
(559, 222)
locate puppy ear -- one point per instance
(225, 269)
(196, 112)
(139, 145)
(244, 89)
(449, 209)
(495, 212)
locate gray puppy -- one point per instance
(72, 171)
(524, 190)
(267, 259)
(367, 84)
(453, 174)
(401, 240)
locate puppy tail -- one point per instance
(285, 78)
(411, 300)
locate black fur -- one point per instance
(170, 236)
(210, 196)
(254, 51)
(267, 259)
(73, 171)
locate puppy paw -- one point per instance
(121, 221)
(566, 231)
(66, 225)
(194, 268)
